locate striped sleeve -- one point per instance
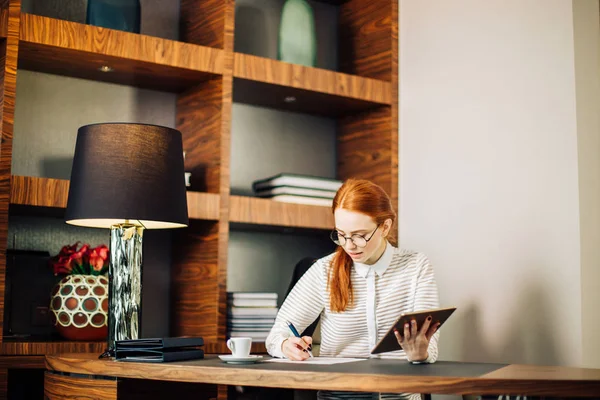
(426, 298)
(301, 307)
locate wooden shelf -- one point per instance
(39, 192)
(266, 82)
(79, 50)
(203, 206)
(33, 347)
(53, 193)
(252, 210)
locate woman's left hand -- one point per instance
(415, 343)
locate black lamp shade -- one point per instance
(127, 173)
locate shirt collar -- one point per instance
(380, 266)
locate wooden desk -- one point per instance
(374, 375)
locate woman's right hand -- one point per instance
(296, 349)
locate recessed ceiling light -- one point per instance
(106, 68)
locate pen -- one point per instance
(295, 332)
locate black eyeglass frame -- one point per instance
(335, 236)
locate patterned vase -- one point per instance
(297, 34)
(79, 305)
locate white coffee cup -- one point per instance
(240, 346)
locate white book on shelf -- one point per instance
(252, 302)
(297, 180)
(258, 326)
(322, 194)
(250, 329)
(252, 295)
(248, 321)
(252, 334)
(253, 312)
(286, 198)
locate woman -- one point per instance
(360, 290)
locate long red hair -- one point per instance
(365, 197)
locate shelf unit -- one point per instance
(207, 76)
(267, 82)
(138, 60)
(28, 191)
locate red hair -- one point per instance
(365, 197)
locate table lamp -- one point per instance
(127, 177)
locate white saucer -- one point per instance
(251, 359)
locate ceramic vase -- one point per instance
(79, 305)
(297, 35)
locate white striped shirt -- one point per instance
(401, 281)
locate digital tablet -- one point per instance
(389, 342)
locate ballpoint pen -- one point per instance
(295, 332)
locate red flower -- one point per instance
(83, 261)
(96, 260)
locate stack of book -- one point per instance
(293, 188)
(251, 314)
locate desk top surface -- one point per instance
(376, 375)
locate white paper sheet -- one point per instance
(317, 360)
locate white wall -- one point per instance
(489, 179)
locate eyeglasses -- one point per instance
(358, 240)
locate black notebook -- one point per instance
(159, 349)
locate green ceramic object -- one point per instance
(297, 35)
(123, 15)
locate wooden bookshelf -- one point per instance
(268, 83)
(252, 210)
(72, 49)
(207, 75)
(29, 348)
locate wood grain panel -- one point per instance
(3, 19)
(9, 52)
(266, 82)
(367, 145)
(366, 39)
(194, 288)
(252, 210)
(369, 375)
(59, 387)
(18, 348)
(227, 103)
(203, 205)
(72, 49)
(199, 271)
(222, 392)
(394, 117)
(367, 148)
(203, 22)
(23, 362)
(41, 192)
(200, 120)
(3, 383)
